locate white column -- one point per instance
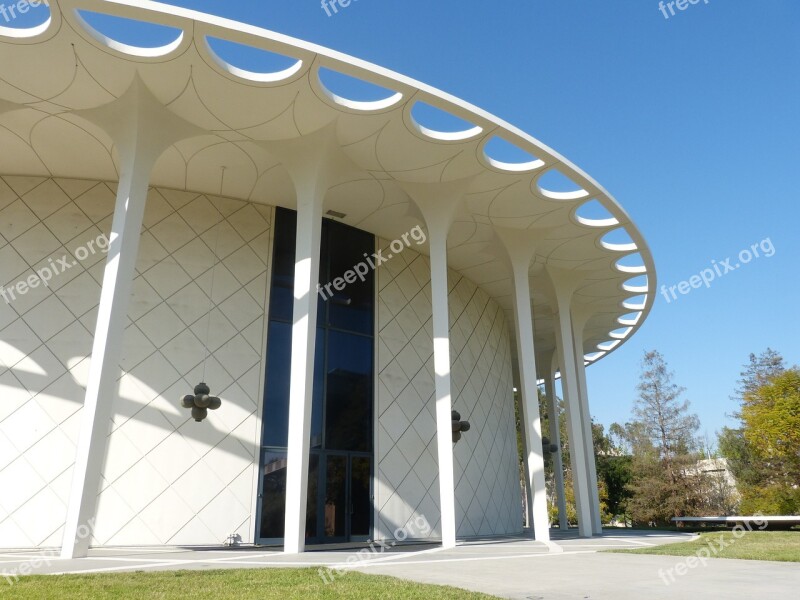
(141, 129)
(438, 204)
(309, 162)
(569, 384)
(555, 438)
(520, 249)
(532, 425)
(304, 331)
(437, 238)
(586, 422)
(527, 492)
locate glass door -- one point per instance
(346, 501)
(360, 498)
(335, 502)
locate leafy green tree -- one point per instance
(610, 461)
(764, 453)
(613, 473)
(771, 425)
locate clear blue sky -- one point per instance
(691, 122)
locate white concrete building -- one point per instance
(165, 219)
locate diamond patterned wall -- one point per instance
(487, 485)
(167, 479)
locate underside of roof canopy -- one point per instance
(53, 72)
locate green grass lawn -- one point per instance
(753, 545)
(242, 584)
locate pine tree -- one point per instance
(662, 438)
(758, 371)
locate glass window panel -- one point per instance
(351, 307)
(336, 496)
(313, 491)
(281, 300)
(276, 385)
(348, 408)
(319, 390)
(360, 502)
(273, 494)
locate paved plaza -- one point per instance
(511, 567)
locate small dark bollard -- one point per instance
(201, 402)
(458, 425)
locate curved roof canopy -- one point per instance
(51, 72)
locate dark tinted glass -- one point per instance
(351, 307)
(348, 407)
(361, 505)
(313, 492)
(273, 494)
(276, 389)
(281, 300)
(335, 496)
(319, 390)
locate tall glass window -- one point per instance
(339, 490)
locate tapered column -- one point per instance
(304, 325)
(141, 129)
(586, 423)
(563, 286)
(520, 248)
(527, 491)
(555, 438)
(438, 204)
(441, 366)
(309, 164)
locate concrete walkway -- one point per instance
(515, 567)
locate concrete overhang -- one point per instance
(49, 74)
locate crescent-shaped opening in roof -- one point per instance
(15, 24)
(609, 345)
(355, 93)
(618, 240)
(620, 333)
(440, 124)
(505, 156)
(630, 319)
(555, 185)
(593, 213)
(631, 263)
(250, 63)
(637, 302)
(129, 36)
(636, 285)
